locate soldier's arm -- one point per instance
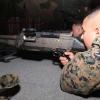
(80, 75)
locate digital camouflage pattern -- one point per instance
(6, 82)
(4, 98)
(81, 75)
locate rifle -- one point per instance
(32, 40)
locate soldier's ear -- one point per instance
(97, 30)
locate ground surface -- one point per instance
(39, 80)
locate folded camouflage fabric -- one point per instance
(8, 81)
(4, 98)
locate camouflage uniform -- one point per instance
(4, 98)
(7, 81)
(81, 75)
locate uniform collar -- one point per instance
(96, 42)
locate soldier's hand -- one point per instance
(63, 60)
(68, 56)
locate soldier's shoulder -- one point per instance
(87, 57)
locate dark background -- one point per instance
(44, 15)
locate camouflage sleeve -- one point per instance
(81, 75)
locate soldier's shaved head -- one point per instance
(91, 27)
(93, 19)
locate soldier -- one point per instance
(76, 33)
(81, 74)
(77, 29)
(7, 81)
